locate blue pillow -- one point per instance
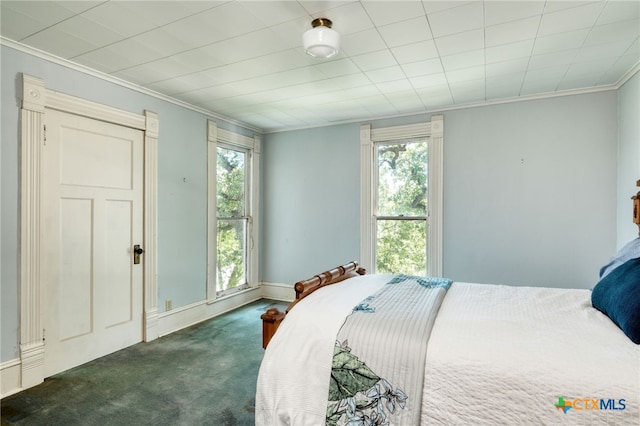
(630, 251)
(617, 295)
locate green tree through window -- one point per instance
(232, 218)
(401, 220)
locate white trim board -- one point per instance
(10, 377)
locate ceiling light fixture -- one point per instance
(321, 41)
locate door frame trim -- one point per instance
(35, 99)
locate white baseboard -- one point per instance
(186, 316)
(278, 291)
(10, 377)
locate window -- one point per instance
(401, 206)
(231, 217)
(233, 171)
(401, 200)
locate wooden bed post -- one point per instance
(270, 322)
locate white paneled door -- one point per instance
(92, 218)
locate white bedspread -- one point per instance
(497, 355)
(504, 355)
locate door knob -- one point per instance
(137, 251)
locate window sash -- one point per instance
(251, 147)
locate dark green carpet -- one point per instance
(202, 375)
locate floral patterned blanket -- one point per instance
(377, 378)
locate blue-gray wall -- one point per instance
(310, 199)
(529, 193)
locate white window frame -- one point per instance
(230, 139)
(434, 131)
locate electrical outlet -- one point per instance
(168, 305)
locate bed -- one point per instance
(363, 349)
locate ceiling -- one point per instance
(244, 59)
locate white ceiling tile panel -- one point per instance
(426, 67)
(504, 86)
(432, 80)
(59, 42)
(541, 86)
(394, 88)
(349, 81)
(436, 100)
(468, 91)
(120, 18)
(554, 72)
(509, 32)
(49, 12)
(556, 5)
(464, 74)
(462, 42)
(406, 32)
(316, 6)
(382, 75)
(619, 69)
(592, 69)
(499, 12)
(19, 19)
(507, 67)
(415, 52)
(92, 32)
(158, 70)
(162, 12)
(559, 42)
(362, 42)
(358, 92)
(165, 42)
(279, 61)
(184, 83)
(126, 53)
(374, 60)
(509, 51)
(432, 6)
(344, 66)
(389, 12)
(272, 13)
(619, 11)
(564, 57)
(195, 30)
(407, 105)
(457, 20)
(230, 19)
(579, 81)
(601, 51)
(617, 31)
(574, 18)
(463, 60)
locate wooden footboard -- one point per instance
(273, 317)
